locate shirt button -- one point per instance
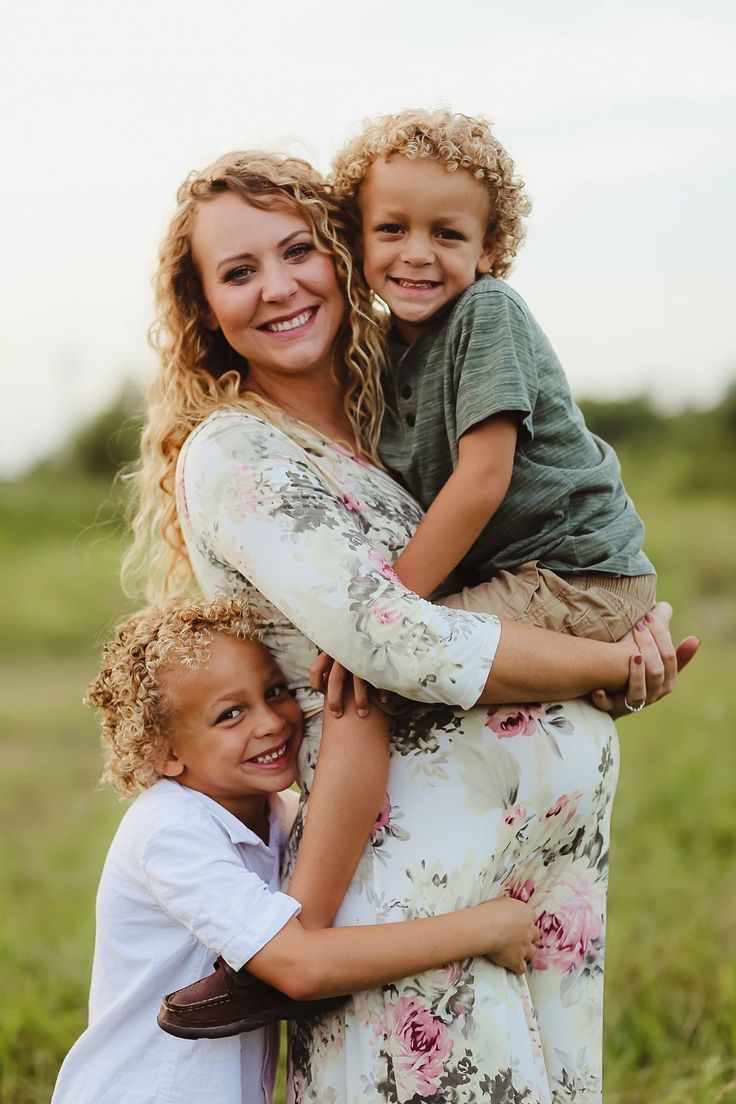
(411, 420)
(406, 392)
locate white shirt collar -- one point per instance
(236, 830)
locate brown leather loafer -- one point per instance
(230, 1001)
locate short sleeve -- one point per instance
(197, 876)
(493, 352)
(258, 503)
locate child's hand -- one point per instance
(513, 933)
(327, 676)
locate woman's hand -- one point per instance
(654, 668)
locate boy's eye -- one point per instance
(229, 714)
(239, 274)
(277, 692)
(449, 235)
(389, 228)
(299, 251)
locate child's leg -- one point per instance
(348, 793)
(596, 606)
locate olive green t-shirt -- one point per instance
(566, 505)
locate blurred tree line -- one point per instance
(696, 447)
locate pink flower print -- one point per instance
(420, 1045)
(243, 498)
(514, 814)
(522, 891)
(383, 613)
(383, 821)
(384, 567)
(352, 503)
(565, 806)
(571, 919)
(519, 720)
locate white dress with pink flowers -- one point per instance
(480, 801)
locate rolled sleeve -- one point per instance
(211, 893)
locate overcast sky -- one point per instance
(620, 117)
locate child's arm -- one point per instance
(464, 506)
(307, 965)
(348, 793)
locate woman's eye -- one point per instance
(299, 251)
(229, 714)
(239, 274)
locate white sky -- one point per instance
(619, 116)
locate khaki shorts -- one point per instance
(597, 606)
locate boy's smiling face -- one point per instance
(425, 236)
(235, 727)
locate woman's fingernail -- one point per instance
(641, 625)
(649, 616)
(638, 659)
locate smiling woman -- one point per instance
(270, 291)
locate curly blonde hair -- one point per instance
(461, 142)
(135, 714)
(199, 371)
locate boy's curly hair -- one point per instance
(135, 718)
(461, 142)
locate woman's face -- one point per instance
(273, 295)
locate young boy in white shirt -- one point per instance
(197, 715)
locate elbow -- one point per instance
(301, 982)
(296, 973)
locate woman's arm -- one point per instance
(258, 504)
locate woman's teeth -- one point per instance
(290, 323)
(270, 756)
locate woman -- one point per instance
(269, 399)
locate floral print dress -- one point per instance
(481, 802)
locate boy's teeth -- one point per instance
(269, 758)
(416, 283)
(290, 323)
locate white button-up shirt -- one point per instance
(184, 881)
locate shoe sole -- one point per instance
(226, 1031)
(215, 1032)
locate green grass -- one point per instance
(671, 982)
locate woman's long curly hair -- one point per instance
(199, 371)
(459, 142)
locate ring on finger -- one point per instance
(634, 708)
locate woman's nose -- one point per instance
(278, 284)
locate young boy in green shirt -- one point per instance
(481, 426)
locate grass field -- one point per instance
(671, 982)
